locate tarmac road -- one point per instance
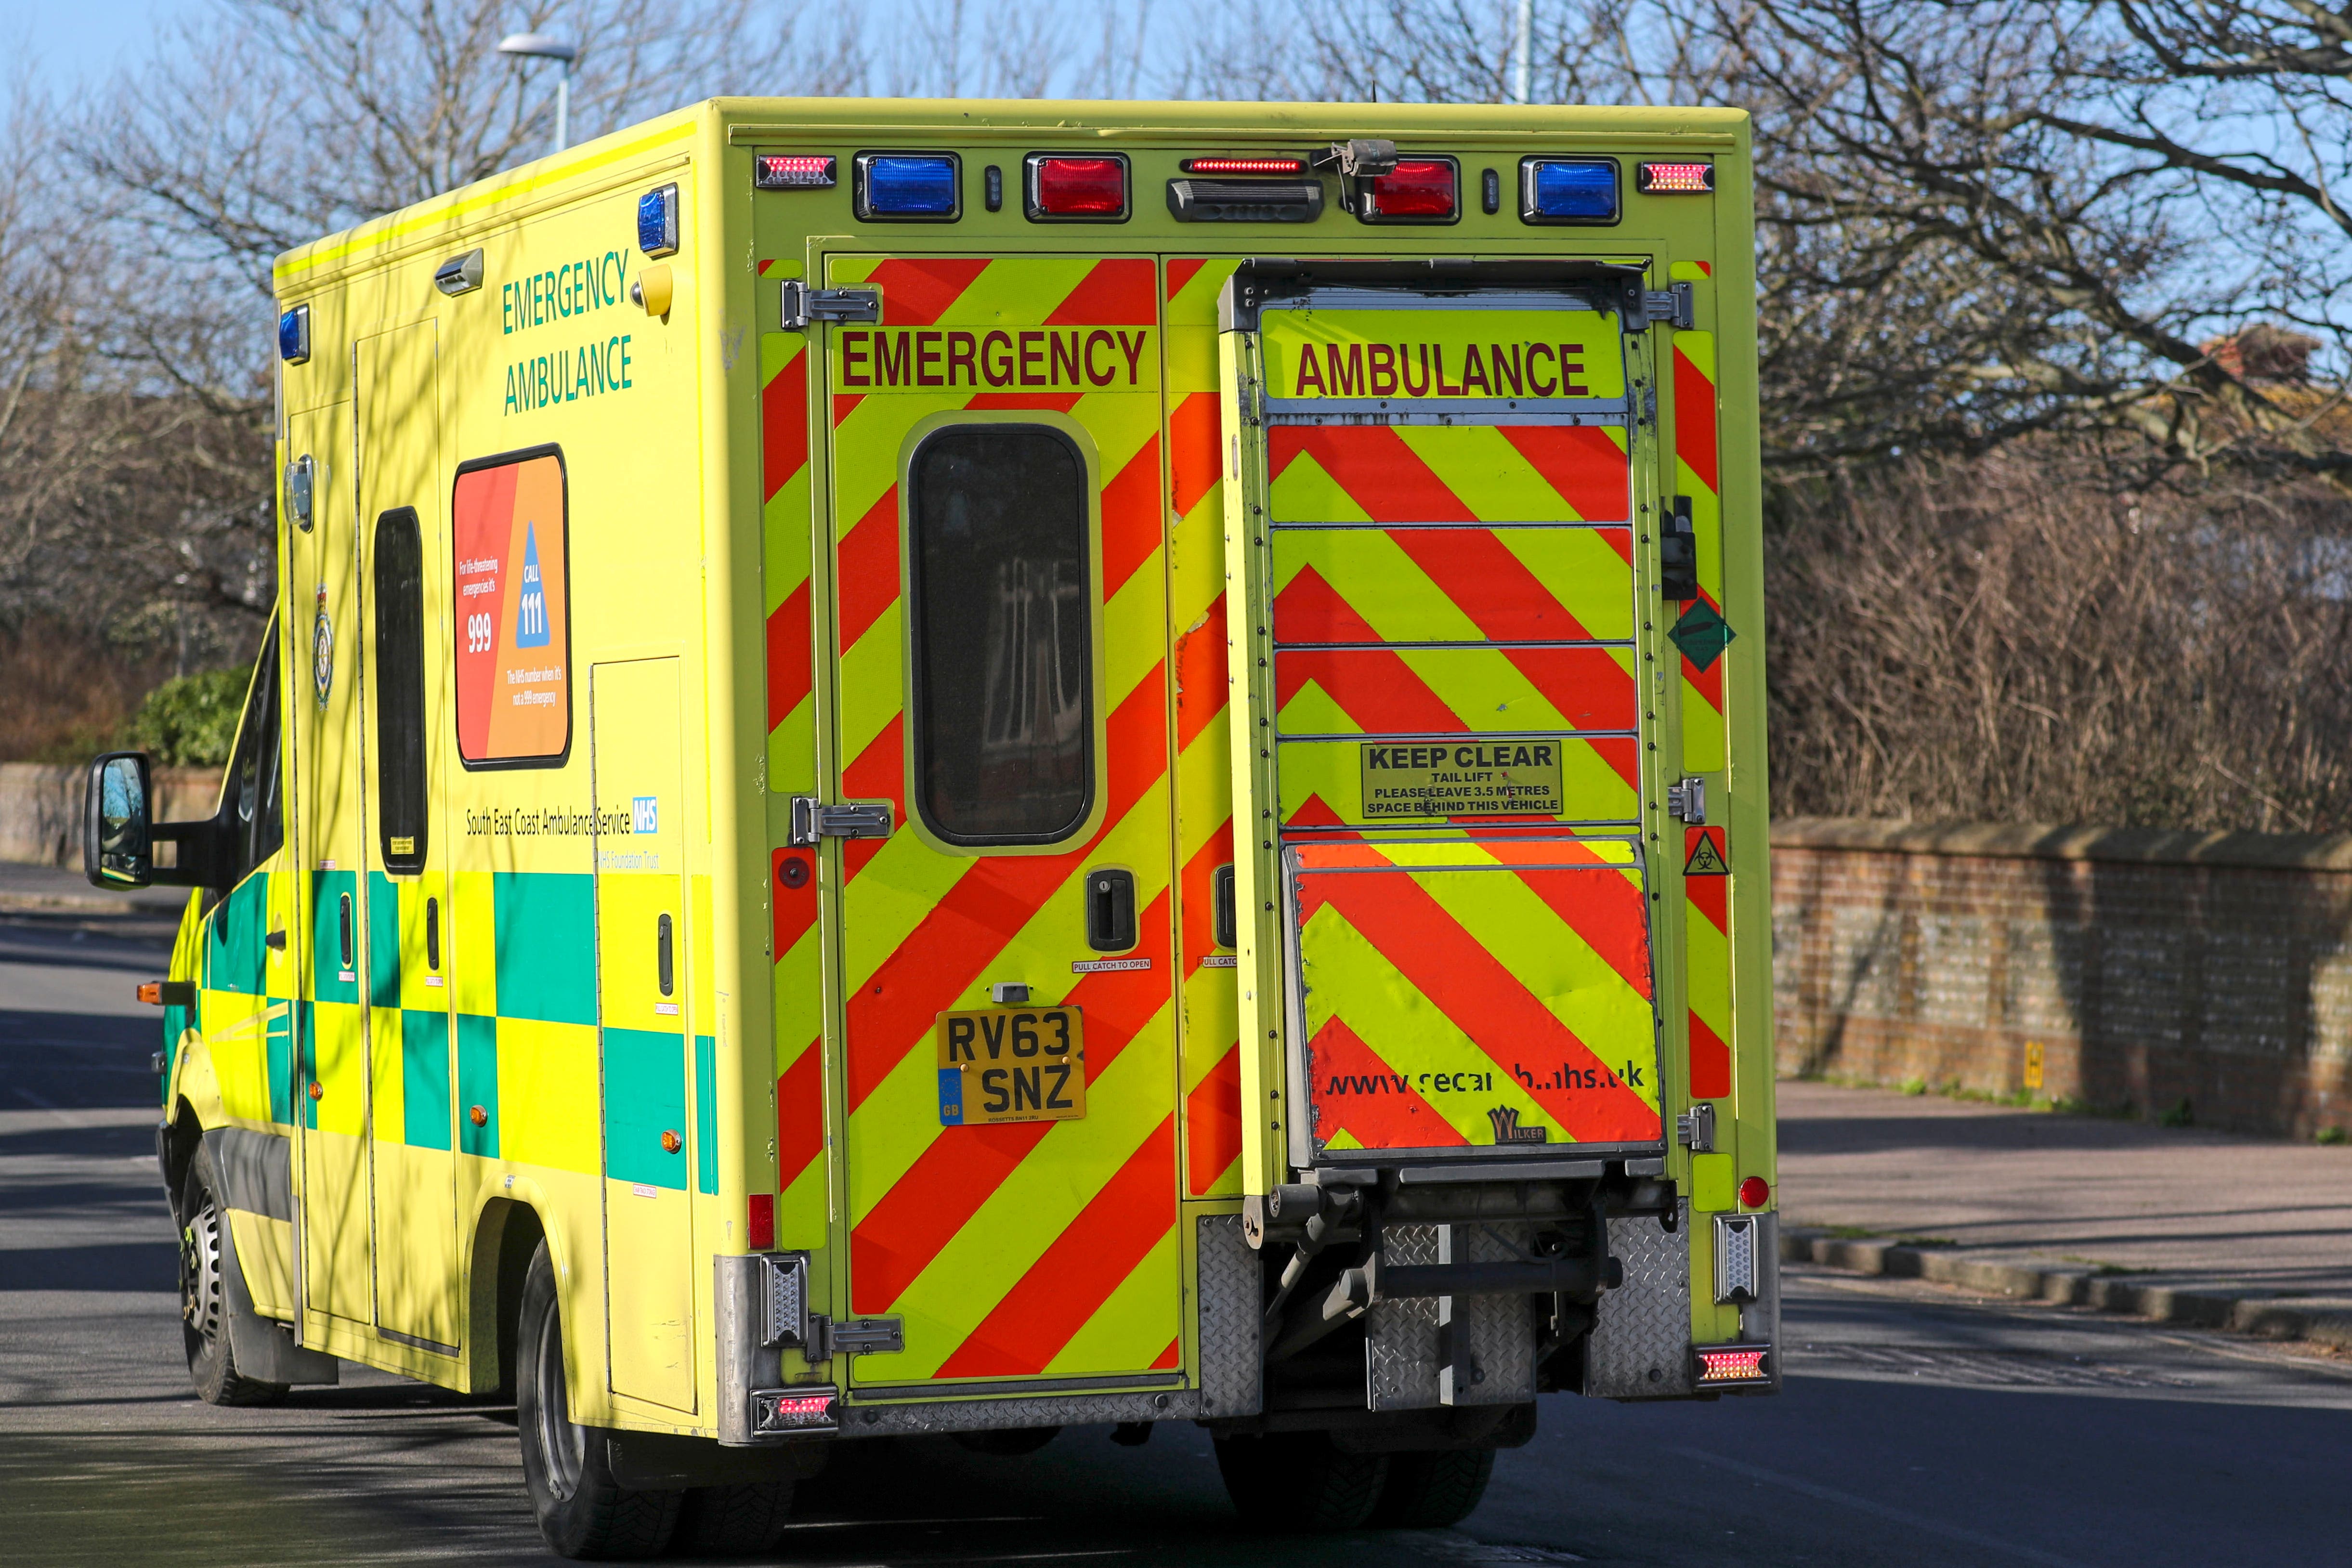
(1919, 1426)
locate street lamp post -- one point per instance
(547, 47)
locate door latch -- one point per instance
(813, 821)
(1672, 304)
(803, 305)
(1687, 801)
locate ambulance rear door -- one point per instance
(1438, 500)
(993, 484)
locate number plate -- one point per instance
(1012, 1064)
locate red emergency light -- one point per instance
(1417, 189)
(1674, 179)
(1063, 186)
(792, 171)
(1244, 166)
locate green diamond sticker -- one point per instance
(1701, 634)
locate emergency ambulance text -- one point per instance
(1418, 370)
(571, 289)
(1076, 358)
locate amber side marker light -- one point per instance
(1674, 179)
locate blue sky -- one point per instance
(79, 42)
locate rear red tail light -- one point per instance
(1069, 187)
(1734, 1365)
(792, 172)
(1416, 188)
(759, 1223)
(1754, 1193)
(1674, 179)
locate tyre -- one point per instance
(205, 1251)
(581, 1511)
(1298, 1480)
(739, 1520)
(1431, 1492)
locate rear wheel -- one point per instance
(581, 1511)
(204, 1255)
(1430, 1491)
(1300, 1481)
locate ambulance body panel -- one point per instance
(986, 821)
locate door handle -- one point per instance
(664, 960)
(1110, 910)
(277, 939)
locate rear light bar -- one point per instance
(907, 187)
(1243, 166)
(1067, 188)
(1674, 179)
(791, 1410)
(1418, 190)
(1735, 1366)
(1567, 190)
(792, 172)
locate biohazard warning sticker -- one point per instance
(1703, 852)
(1489, 778)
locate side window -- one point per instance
(1002, 707)
(511, 599)
(401, 807)
(255, 806)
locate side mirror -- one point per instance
(116, 846)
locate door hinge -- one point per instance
(1695, 1129)
(813, 820)
(862, 1336)
(803, 305)
(1672, 304)
(1687, 801)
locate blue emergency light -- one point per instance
(294, 335)
(908, 186)
(1567, 190)
(657, 221)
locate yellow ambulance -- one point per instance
(964, 768)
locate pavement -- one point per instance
(2180, 1225)
(61, 897)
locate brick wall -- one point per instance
(2149, 967)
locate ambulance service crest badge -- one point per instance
(323, 651)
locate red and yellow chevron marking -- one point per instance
(996, 1245)
(1696, 475)
(1706, 965)
(1210, 1021)
(1447, 473)
(1453, 585)
(796, 980)
(1458, 994)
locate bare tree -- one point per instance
(262, 125)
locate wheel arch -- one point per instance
(507, 1231)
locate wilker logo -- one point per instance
(1508, 1130)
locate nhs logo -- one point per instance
(645, 814)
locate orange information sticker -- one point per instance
(514, 629)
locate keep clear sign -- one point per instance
(1488, 778)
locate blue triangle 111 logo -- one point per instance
(530, 613)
